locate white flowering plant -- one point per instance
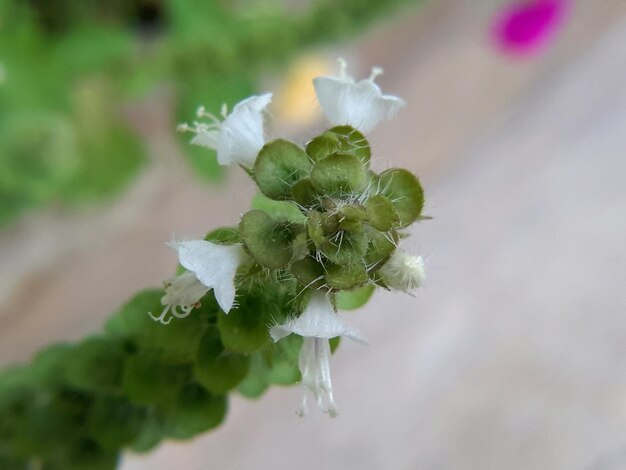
(252, 305)
(326, 227)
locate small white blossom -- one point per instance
(403, 271)
(239, 137)
(211, 266)
(317, 324)
(358, 104)
(183, 292)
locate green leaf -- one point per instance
(278, 166)
(405, 193)
(268, 241)
(285, 210)
(216, 368)
(353, 299)
(339, 175)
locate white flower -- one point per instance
(403, 271)
(211, 266)
(359, 104)
(317, 324)
(183, 292)
(239, 137)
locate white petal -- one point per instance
(207, 139)
(360, 105)
(185, 290)
(214, 265)
(319, 320)
(242, 135)
(314, 364)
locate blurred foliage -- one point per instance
(67, 66)
(76, 406)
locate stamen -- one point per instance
(376, 72)
(343, 67)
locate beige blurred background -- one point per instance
(513, 355)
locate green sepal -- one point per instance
(283, 368)
(340, 139)
(50, 364)
(381, 246)
(96, 364)
(349, 276)
(353, 299)
(346, 247)
(405, 193)
(308, 272)
(149, 379)
(84, 454)
(282, 210)
(195, 411)
(224, 236)
(216, 368)
(303, 192)
(255, 383)
(315, 228)
(178, 341)
(279, 165)
(340, 174)
(244, 329)
(267, 240)
(381, 213)
(114, 422)
(354, 212)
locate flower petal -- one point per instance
(209, 139)
(242, 135)
(214, 265)
(360, 105)
(318, 320)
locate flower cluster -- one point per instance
(332, 225)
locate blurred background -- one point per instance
(511, 357)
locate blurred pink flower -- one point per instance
(526, 27)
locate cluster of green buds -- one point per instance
(325, 222)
